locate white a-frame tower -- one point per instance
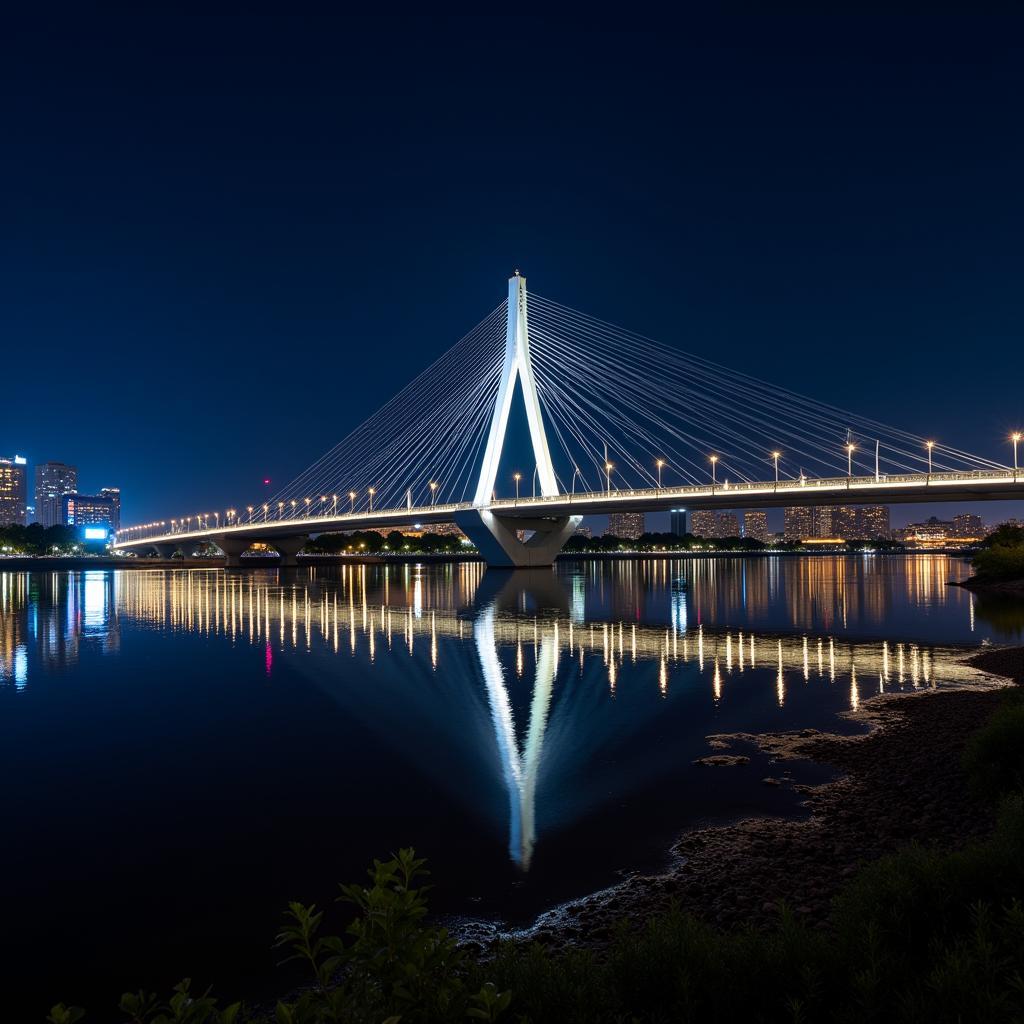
(517, 364)
(494, 535)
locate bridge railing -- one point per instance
(338, 521)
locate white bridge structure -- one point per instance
(616, 422)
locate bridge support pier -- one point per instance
(233, 548)
(166, 550)
(288, 548)
(495, 538)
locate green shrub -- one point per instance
(994, 756)
(1000, 562)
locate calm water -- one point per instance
(184, 751)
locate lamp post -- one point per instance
(714, 463)
(929, 445)
(1015, 438)
(334, 504)
(307, 507)
(280, 510)
(575, 473)
(371, 492)
(266, 512)
(659, 464)
(608, 467)
(517, 477)
(433, 493)
(850, 449)
(776, 456)
(352, 500)
(248, 509)
(294, 503)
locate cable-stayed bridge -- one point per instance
(617, 423)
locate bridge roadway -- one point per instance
(554, 516)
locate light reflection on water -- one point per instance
(535, 732)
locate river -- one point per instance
(186, 750)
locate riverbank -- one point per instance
(902, 782)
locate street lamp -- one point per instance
(294, 503)
(659, 464)
(280, 510)
(608, 467)
(266, 511)
(352, 500)
(433, 493)
(1015, 438)
(334, 504)
(307, 507)
(248, 509)
(517, 477)
(776, 456)
(850, 449)
(929, 445)
(714, 463)
(371, 492)
(575, 473)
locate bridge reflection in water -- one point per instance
(526, 637)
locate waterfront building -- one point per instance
(53, 480)
(968, 526)
(628, 525)
(932, 534)
(702, 523)
(89, 510)
(755, 525)
(12, 491)
(714, 525)
(874, 522)
(797, 523)
(584, 531)
(825, 521)
(114, 494)
(727, 524)
(677, 522)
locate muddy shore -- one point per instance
(899, 782)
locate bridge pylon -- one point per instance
(496, 536)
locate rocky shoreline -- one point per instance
(901, 782)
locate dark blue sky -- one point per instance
(225, 241)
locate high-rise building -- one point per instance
(677, 521)
(825, 520)
(845, 523)
(628, 525)
(874, 522)
(114, 494)
(702, 523)
(755, 525)
(797, 523)
(53, 481)
(714, 525)
(727, 524)
(968, 526)
(89, 510)
(12, 491)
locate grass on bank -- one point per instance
(917, 936)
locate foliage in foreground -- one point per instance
(919, 936)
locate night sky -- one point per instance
(224, 241)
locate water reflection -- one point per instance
(549, 651)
